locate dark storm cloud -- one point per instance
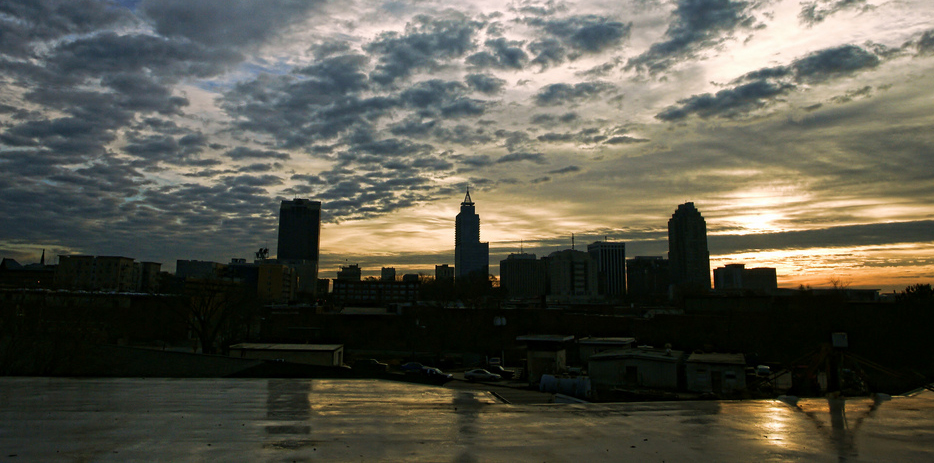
(109, 52)
(500, 54)
(260, 167)
(564, 170)
(365, 148)
(462, 134)
(731, 102)
(697, 25)
(253, 181)
(413, 127)
(569, 37)
(624, 140)
(925, 44)
(834, 62)
(242, 152)
(850, 95)
(588, 34)
(24, 24)
(562, 94)
(424, 44)
(225, 23)
(445, 98)
(537, 158)
(315, 103)
(484, 83)
(328, 48)
(585, 136)
(473, 161)
(817, 11)
(552, 137)
(140, 93)
(155, 148)
(548, 52)
(513, 140)
(72, 138)
(864, 235)
(757, 89)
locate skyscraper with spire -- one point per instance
(471, 257)
(689, 259)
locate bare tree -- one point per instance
(218, 311)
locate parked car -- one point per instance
(436, 374)
(502, 372)
(481, 375)
(371, 365)
(412, 367)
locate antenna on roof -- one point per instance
(572, 241)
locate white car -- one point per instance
(481, 375)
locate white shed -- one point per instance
(717, 373)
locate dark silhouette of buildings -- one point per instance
(572, 276)
(299, 230)
(299, 240)
(444, 272)
(523, 276)
(350, 272)
(106, 273)
(647, 277)
(687, 249)
(471, 257)
(611, 267)
(738, 277)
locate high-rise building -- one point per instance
(471, 257)
(299, 230)
(572, 276)
(387, 274)
(611, 267)
(647, 277)
(523, 276)
(299, 240)
(688, 257)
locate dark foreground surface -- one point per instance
(61, 419)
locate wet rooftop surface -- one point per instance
(62, 419)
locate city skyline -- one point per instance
(165, 129)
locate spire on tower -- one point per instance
(467, 201)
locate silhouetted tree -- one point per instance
(218, 312)
(917, 294)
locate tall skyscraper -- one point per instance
(611, 267)
(299, 240)
(471, 257)
(689, 259)
(299, 230)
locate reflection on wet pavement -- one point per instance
(61, 419)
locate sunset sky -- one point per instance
(803, 130)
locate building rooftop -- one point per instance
(295, 347)
(137, 419)
(606, 341)
(545, 338)
(640, 353)
(731, 359)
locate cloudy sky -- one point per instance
(171, 129)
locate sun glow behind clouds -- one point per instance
(886, 267)
(757, 210)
